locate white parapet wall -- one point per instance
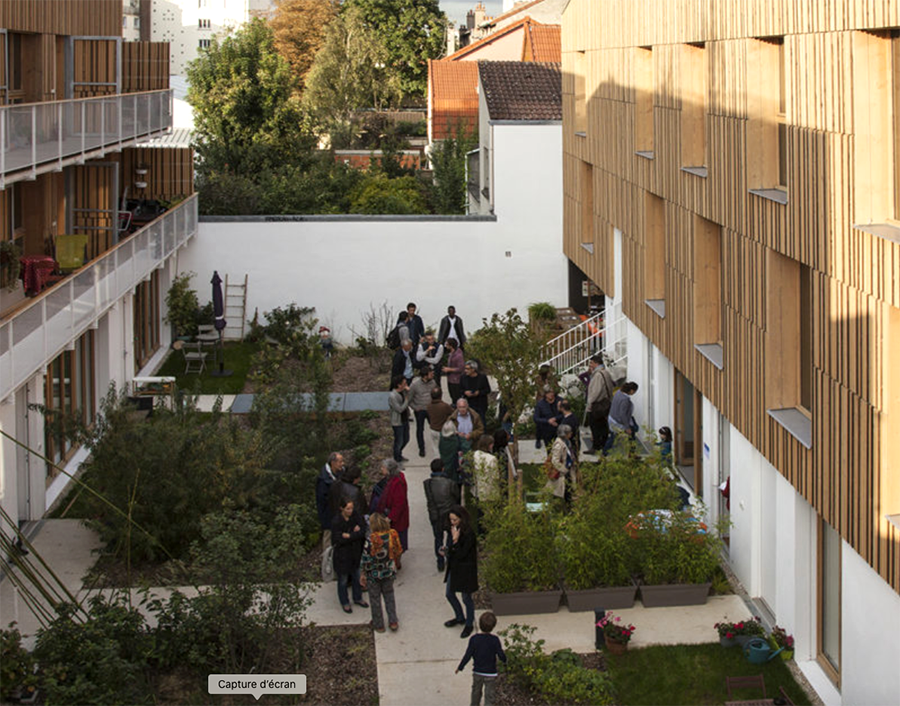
(342, 266)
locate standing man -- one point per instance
(414, 321)
(456, 364)
(547, 417)
(621, 415)
(475, 388)
(403, 362)
(438, 413)
(419, 399)
(599, 400)
(398, 402)
(429, 353)
(441, 493)
(330, 472)
(451, 327)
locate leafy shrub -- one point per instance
(677, 550)
(541, 311)
(518, 545)
(16, 665)
(102, 660)
(558, 678)
(379, 194)
(182, 305)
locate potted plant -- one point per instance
(779, 639)
(182, 306)
(615, 634)
(595, 557)
(677, 557)
(519, 565)
(9, 264)
(739, 633)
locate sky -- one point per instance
(456, 9)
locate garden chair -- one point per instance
(755, 682)
(194, 357)
(784, 696)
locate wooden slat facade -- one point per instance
(145, 66)
(96, 18)
(840, 135)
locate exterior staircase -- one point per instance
(570, 351)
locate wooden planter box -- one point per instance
(617, 598)
(674, 594)
(526, 602)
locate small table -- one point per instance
(36, 270)
(215, 338)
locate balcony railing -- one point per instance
(34, 335)
(572, 349)
(40, 137)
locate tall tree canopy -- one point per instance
(350, 72)
(413, 32)
(246, 113)
(299, 30)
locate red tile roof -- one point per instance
(453, 97)
(469, 49)
(542, 43)
(522, 90)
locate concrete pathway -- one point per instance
(416, 664)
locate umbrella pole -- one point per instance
(221, 372)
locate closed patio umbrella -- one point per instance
(218, 301)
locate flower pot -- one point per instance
(616, 648)
(610, 598)
(742, 640)
(526, 602)
(674, 594)
(727, 641)
(787, 654)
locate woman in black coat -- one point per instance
(348, 534)
(462, 569)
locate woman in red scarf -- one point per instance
(394, 502)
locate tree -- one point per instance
(349, 73)
(380, 194)
(413, 32)
(448, 160)
(299, 31)
(246, 113)
(511, 351)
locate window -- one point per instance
(69, 391)
(587, 203)
(203, 44)
(693, 105)
(644, 85)
(204, 24)
(655, 252)
(829, 608)
(789, 340)
(767, 133)
(580, 70)
(137, 22)
(124, 21)
(708, 309)
(146, 320)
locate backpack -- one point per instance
(328, 564)
(393, 338)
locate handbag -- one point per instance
(549, 469)
(328, 564)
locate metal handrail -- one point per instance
(40, 137)
(35, 334)
(570, 357)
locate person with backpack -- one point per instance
(399, 333)
(380, 561)
(441, 493)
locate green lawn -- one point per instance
(237, 360)
(692, 674)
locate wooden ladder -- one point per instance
(235, 309)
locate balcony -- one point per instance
(42, 137)
(35, 334)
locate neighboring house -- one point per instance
(189, 25)
(519, 111)
(131, 20)
(453, 80)
(472, 31)
(544, 11)
(732, 184)
(77, 193)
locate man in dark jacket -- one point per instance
(547, 417)
(475, 388)
(451, 327)
(346, 487)
(441, 494)
(416, 326)
(403, 363)
(330, 472)
(348, 530)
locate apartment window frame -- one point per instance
(587, 204)
(580, 117)
(655, 253)
(790, 335)
(69, 388)
(768, 171)
(147, 319)
(645, 92)
(708, 290)
(694, 106)
(204, 24)
(203, 43)
(826, 604)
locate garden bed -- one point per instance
(511, 693)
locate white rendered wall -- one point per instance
(342, 266)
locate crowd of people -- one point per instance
(364, 539)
